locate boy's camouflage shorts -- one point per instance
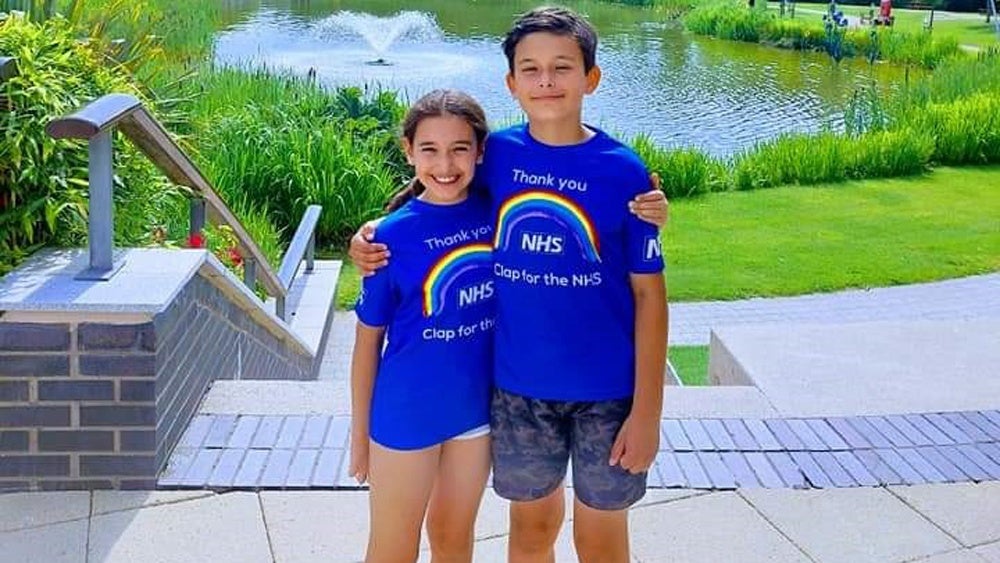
(534, 438)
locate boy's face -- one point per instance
(549, 80)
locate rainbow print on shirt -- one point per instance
(550, 206)
(448, 269)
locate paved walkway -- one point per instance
(973, 297)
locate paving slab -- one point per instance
(248, 397)
(959, 556)
(837, 524)
(728, 401)
(969, 512)
(990, 552)
(30, 510)
(56, 543)
(316, 525)
(106, 502)
(881, 368)
(694, 529)
(226, 527)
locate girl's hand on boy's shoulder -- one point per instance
(366, 255)
(359, 458)
(636, 445)
(652, 206)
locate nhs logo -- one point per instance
(474, 294)
(652, 249)
(542, 243)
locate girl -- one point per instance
(420, 409)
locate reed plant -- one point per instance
(682, 172)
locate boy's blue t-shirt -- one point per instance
(436, 299)
(564, 246)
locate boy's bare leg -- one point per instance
(458, 490)
(401, 483)
(534, 526)
(600, 536)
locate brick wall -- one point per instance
(101, 405)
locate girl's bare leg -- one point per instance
(458, 490)
(401, 484)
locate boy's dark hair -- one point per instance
(436, 104)
(556, 20)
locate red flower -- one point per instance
(196, 240)
(235, 257)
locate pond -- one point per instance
(680, 89)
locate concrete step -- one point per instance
(311, 303)
(715, 402)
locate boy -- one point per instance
(580, 340)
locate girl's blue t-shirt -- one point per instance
(436, 299)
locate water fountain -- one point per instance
(380, 33)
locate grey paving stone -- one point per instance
(787, 469)
(675, 436)
(243, 434)
(325, 474)
(697, 434)
(838, 476)
(177, 466)
(963, 424)
(838, 524)
(925, 468)
(710, 521)
(317, 526)
(226, 527)
(992, 415)
(717, 432)
(742, 438)
(879, 468)
(276, 470)
(959, 460)
(300, 472)
(976, 456)
(915, 436)
(779, 427)
(946, 426)
(856, 469)
(315, 431)
(267, 431)
(762, 468)
(336, 436)
(957, 556)
(250, 471)
(850, 435)
(218, 433)
(763, 436)
(56, 543)
(869, 432)
(106, 502)
(30, 510)
(812, 470)
(201, 468)
(670, 471)
(196, 432)
(694, 473)
(990, 552)
(291, 431)
(964, 510)
(742, 473)
(226, 468)
(717, 471)
(886, 429)
(992, 451)
(826, 433)
(809, 438)
(927, 429)
(983, 423)
(951, 472)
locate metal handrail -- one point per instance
(303, 246)
(8, 68)
(95, 123)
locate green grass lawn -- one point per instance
(691, 363)
(967, 29)
(795, 240)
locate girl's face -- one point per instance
(444, 154)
